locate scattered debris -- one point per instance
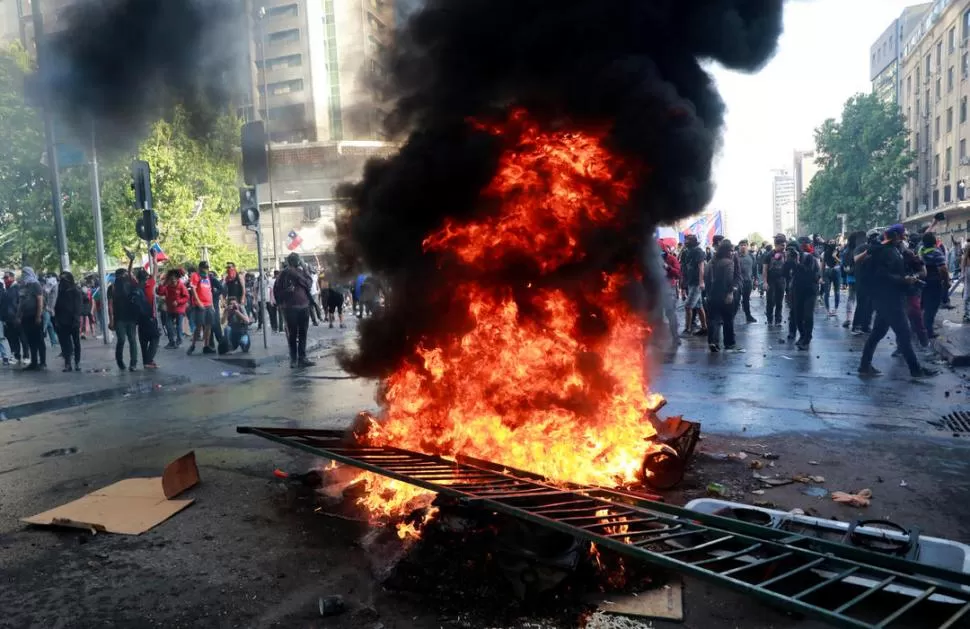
(860, 499)
(813, 462)
(756, 465)
(758, 492)
(903, 483)
(796, 511)
(331, 605)
(59, 452)
(230, 374)
(804, 478)
(665, 603)
(767, 504)
(131, 506)
(771, 457)
(815, 492)
(717, 489)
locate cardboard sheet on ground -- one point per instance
(665, 603)
(131, 506)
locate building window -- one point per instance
(919, 112)
(966, 25)
(909, 85)
(936, 199)
(963, 110)
(928, 65)
(939, 89)
(965, 65)
(963, 150)
(939, 55)
(917, 79)
(936, 165)
(946, 194)
(311, 213)
(949, 120)
(283, 37)
(949, 80)
(287, 10)
(907, 208)
(936, 129)
(334, 109)
(289, 115)
(928, 101)
(949, 158)
(917, 141)
(951, 39)
(284, 87)
(287, 61)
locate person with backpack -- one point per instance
(148, 334)
(292, 293)
(722, 288)
(864, 279)
(773, 265)
(695, 262)
(123, 313)
(832, 277)
(937, 281)
(201, 298)
(67, 314)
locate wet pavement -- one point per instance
(249, 553)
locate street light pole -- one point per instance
(59, 229)
(98, 231)
(269, 141)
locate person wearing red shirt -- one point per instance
(200, 296)
(176, 297)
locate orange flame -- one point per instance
(542, 377)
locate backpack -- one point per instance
(138, 301)
(776, 264)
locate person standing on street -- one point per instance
(890, 286)
(696, 261)
(200, 296)
(123, 318)
(937, 281)
(9, 307)
(148, 333)
(721, 293)
(748, 266)
(67, 314)
(806, 279)
(292, 294)
(176, 300)
(275, 317)
(50, 299)
(773, 265)
(31, 315)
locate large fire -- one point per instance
(546, 376)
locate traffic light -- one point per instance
(147, 226)
(255, 161)
(248, 207)
(141, 183)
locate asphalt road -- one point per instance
(253, 553)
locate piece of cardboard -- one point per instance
(664, 603)
(131, 506)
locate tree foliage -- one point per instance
(865, 160)
(194, 185)
(754, 238)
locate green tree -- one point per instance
(194, 178)
(865, 160)
(754, 237)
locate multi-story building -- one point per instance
(934, 99)
(315, 59)
(782, 202)
(804, 170)
(886, 55)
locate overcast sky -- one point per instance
(823, 58)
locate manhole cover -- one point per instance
(958, 422)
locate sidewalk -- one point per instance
(953, 342)
(25, 394)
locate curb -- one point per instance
(951, 353)
(20, 411)
(246, 361)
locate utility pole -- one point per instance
(843, 217)
(98, 232)
(269, 141)
(40, 44)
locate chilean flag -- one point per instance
(295, 240)
(159, 254)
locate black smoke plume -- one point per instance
(632, 65)
(124, 63)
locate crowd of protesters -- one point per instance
(213, 313)
(880, 280)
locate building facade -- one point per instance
(804, 170)
(886, 55)
(934, 99)
(783, 202)
(315, 61)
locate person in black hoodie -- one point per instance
(292, 293)
(9, 307)
(67, 313)
(890, 284)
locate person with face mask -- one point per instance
(67, 314)
(31, 316)
(890, 285)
